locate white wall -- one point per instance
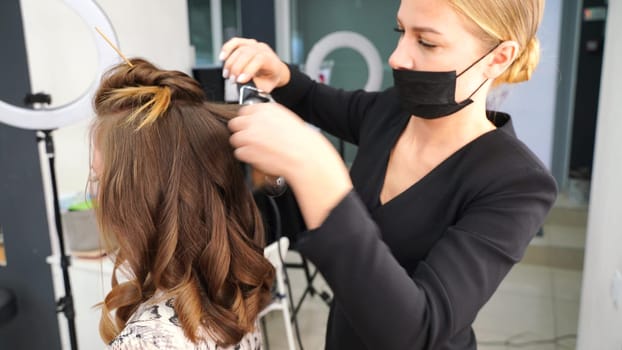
(600, 322)
(532, 104)
(62, 60)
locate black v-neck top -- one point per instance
(414, 272)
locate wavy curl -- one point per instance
(173, 202)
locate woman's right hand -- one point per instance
(274, 140)
(246, 59)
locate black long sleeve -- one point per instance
(414, 272)
(390, 308)
(336, 111)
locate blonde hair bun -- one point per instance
(524, 65)
(508, 20)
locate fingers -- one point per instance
(232, 45)
(246, 59)
(243, 64)
(262, 121)
(241, 126)
(240, 139)
(237, 53)
(249, 127)
(249, 66)
(238, 123)
(243, 139)
(242, 153)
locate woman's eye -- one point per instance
(422, 42)
(426, 44)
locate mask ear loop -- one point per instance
(476, 90)
(479, 60)
(471, 66)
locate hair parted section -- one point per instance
(503, 20)
(145, 91)
(173, 200)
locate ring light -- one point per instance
(53, 118)
(351, 40)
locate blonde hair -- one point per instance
(503, 20)
(174, 201)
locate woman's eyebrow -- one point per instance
(419, 29)
(425, 30)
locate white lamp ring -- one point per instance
(352, 40)
(81, 108)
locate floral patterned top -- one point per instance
(155, 326)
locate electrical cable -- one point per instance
(277, 233)
(510, 342)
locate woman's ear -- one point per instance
(503, 56)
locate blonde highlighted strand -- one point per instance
(158, 100)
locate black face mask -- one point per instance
(431, 95)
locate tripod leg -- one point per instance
(264, 330)
(310, 278)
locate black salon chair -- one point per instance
(8, 305)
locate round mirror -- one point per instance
(61, 34)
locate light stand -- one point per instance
(63, 304)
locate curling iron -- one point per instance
(273, 186)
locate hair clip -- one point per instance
(114, 47)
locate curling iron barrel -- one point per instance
(273, 186)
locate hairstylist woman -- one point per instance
(442, 198)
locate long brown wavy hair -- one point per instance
(173, 202)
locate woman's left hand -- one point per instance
(276, 141)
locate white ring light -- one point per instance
(351, 40)
(80, 108)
